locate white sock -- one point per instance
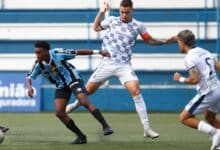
(141, 110)
(206, 128)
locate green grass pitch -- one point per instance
(43, 131)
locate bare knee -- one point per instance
(135, 92)
(92, 87)
(133, 87)
(182, 118)
(60, 115)
(84, 103)
(89, 91)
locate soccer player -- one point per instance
(120, 37)
(52, 63)
(4, 129)
(201, 66)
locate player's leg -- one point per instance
(191, 121)
(210, 113)
(188, 119)
(130, 81)
(100, 75)
(200, 104)
(4, 129)
(61, 98)
(81, 94)
(133, 88)
(91, 87)
(211, 119)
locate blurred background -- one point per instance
(68, 24)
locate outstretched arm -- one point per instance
(97, 22)
(104, 53)
(153, 41)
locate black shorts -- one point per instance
(76, 87)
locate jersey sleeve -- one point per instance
(62, 56)
(106, 23)
(190, 62)
(142, 29)
(34, 72)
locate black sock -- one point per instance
(72, 126)
(96, 113)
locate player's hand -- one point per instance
(105, 7)
(176, 76)
(172, 39)
(30, 92)
(105, 53)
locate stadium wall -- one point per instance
(68, 24)
(160, 92)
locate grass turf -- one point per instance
(43, 131)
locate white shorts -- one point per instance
(106, 70)
(200, 103)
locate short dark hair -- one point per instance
(126, 3)
(187, 37)
(42, 44)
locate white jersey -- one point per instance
(203, 61)
(120, 37)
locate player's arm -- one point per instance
(97, 22)
(29, 87)
(104, 53)
(217, 65)
(192, 79)
(35, 71)
(153, 41)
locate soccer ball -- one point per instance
(1, 136)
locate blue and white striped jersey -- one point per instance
(58, 70)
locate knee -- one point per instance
(135, 92)
(83, 102)
(60, 115)
(92, 87)
(182, 118)
(90, 90)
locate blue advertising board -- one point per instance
(13, 93)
